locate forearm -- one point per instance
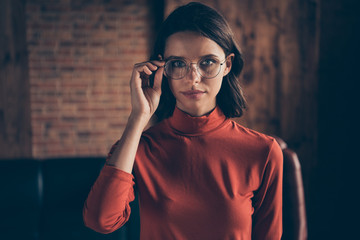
(107, 206)
(123, 156)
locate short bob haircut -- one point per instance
(199, 18)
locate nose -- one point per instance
(193, 73)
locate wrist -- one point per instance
(140, 120)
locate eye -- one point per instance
(208, 62)
(178, 64)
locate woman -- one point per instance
(199, 174)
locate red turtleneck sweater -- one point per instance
(198, 178)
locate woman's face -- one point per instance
(194, 93)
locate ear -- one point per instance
(228, 63)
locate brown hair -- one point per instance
(209, 23)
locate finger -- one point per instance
(150, 65)
(140, 72)
(135, 81)
(143, 71)
(158, 63)
(147, 71)
(158, 79)
(144, 80)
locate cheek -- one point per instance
(173, 86)
(217, 85)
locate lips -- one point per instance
(193, 94)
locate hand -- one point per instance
(144, 98)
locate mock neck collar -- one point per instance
(186, 124)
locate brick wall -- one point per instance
(81, 55)
(15, 133)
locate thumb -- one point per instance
(158, 79)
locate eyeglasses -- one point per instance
(177, 68)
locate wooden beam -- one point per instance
(15, 127)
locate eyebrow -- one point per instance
(179, 57)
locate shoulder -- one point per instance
(255, 143)
(158, 132)
(157, 128)
(250, 136)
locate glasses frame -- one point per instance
(188, 68)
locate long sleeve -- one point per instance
(107, 206)
(267, 202)
(198, 178)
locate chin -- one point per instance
(195, 109)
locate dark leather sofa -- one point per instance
(43, 199)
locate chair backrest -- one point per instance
(20, 201)
(46, 198)
(294, 212)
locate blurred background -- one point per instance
(65, 67)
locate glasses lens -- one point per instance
(175, 69)
(209, 68)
